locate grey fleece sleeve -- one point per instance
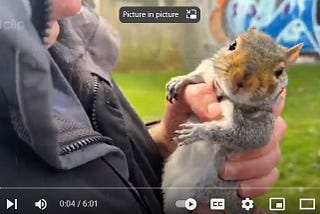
(45, 112)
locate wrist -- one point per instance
(162, 139)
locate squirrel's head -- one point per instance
(251, 70)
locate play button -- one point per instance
(190, 204)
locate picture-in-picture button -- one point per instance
(277, 204)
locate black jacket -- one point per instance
(67, 134)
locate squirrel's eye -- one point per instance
(233, 46)
(278, 73)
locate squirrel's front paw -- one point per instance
(189, 133)
(174, 87)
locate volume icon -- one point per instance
(41, 204)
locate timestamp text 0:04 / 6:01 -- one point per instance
(78, 203)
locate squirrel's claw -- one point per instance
(169, 98)
(189, 133)
(171, 94)
(174, 88)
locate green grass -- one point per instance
(300, 164)
(145, 91)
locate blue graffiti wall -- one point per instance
(288, 21)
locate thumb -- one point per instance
(213, 112)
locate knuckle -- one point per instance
(277, 174)
(278, 154)
(272, 177)
(281, 123)
(192, 90)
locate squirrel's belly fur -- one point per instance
(192, 170)
(186, 171)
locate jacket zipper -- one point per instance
(81, 144)
(94, 120)
(90, 140)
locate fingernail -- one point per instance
(228, 172)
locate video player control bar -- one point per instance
(159, 14)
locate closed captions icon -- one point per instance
(217, 204)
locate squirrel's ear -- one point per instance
(292, 54)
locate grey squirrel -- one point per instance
(248, 76)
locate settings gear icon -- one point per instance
(247, 204)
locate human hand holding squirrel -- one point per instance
(200, 99)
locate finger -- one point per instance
(259, 186)
(200, 89)
(54, 30)
(214, 112)
(278, 107)
(254, 168)
(278, 133)
(203, 102)
(207, 112)
(62, 9)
